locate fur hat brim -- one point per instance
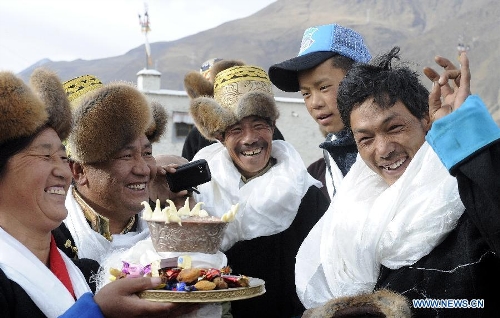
(196, 85)
(159, 124)
(381, 303)
(212, 119)
(24, 110)
(257, 104)
(50, 90)
(106, 120)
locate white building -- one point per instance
(294, 122)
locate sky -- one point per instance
(66, 30)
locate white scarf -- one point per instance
(91, 244)
(268, 204)
(43, 287)
(370, 224)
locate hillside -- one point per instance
(422, 28)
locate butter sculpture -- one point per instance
(171, 214)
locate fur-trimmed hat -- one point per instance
(207, 66)
(202, 83)
(381, 303)
(160, 118)
(24, 110)
(239, 92)
(108, 117)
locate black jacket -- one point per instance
(16, 303)
(272, 258)
(65, 243)
(466, 265)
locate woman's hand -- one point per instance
(118, 299)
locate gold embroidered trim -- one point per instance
(67, 244)
(99, 223)
(242, 76)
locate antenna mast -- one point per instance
(144, 23)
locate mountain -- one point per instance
(422, 28)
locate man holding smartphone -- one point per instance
(112, 166)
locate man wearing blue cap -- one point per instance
(326, 53)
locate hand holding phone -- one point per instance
(189, 175)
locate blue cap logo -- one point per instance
(307, 40)
(334, 38)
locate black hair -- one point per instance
(385, 84)
(12, 147)
(343, 62)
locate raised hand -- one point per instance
(445, 97)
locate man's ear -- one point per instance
(221, 138)
(78, 172)
(426, 122)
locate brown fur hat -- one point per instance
(108, 118)
(239, 92)
(222, 65)
(381, 303)
(23, 110)
(197, 85)
(159, 124)
(201, 83)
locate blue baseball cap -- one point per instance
(319, 43)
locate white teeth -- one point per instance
(251, 153)
(56, 190)
(140, 186)
(395, 165)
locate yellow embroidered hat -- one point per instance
(201, 83)
(239, 92)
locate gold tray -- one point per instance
(255, 289)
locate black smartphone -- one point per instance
(189, 175)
